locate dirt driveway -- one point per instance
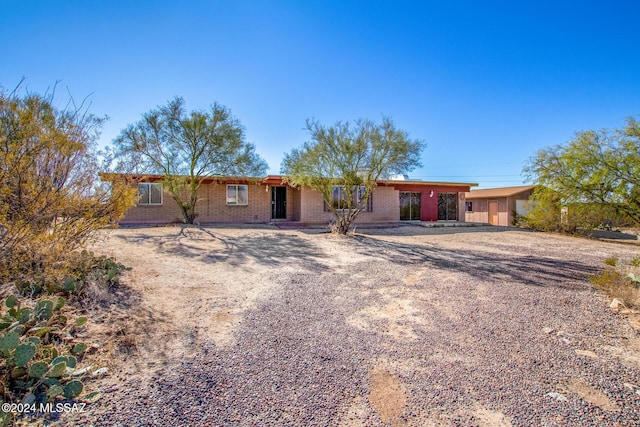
(403, 326)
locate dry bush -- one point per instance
(618, 285)
(51, 200)
(51, 204)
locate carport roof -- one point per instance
(498, 192)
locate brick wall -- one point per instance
(385, 207)
(304, 205)
(293, 204)
(212, 207)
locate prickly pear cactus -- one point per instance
(9, 342)
(38, 370)
(73, 389)
(57, 370)
(23, 354)
(43, 310)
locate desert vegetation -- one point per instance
(591, 182)
(620, 280)
(51, 204)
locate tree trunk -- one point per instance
(344, 220)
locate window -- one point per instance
(468, 206)
(339, 199)
(237, 195)
(149, 194)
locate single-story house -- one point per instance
(496, 206)
(227, 199)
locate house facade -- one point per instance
(496, 206)
(271, 199)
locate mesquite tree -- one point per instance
(345, 161)
(185, 148)
(597, 170)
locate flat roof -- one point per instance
(275, 179)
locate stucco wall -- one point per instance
(480, 211)
(506, 206)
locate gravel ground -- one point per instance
(401, 327)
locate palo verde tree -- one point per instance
(598, 172)
(345, 161)
(51, 200)
(185, 148)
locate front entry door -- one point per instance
(278, 202)
(493, 212)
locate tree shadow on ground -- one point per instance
(275, 249)
(418, 230)
(528, 269)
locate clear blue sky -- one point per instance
(485, 84)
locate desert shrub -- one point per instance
(636, 262)
(616, 283)
(546, 212)
(51, 205)
(611, 261)
(80, 276)
(551, 213)
(51, 200)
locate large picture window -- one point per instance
(237, 195)
(340, 197)
(149, 193)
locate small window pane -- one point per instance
(143, 194)
(149, 194)
(337, 197)
(243, 195)
(155, 194)
(231, 194)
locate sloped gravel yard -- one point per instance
(403, 326)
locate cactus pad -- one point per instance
(38, 369)
(72, 389)
(23, 354)
(54, 391)
(57, 370)
(79, 348)
(9, 342)
(44, 310)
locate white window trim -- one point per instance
(149, 203)
(236, 202)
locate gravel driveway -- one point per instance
(405, 326)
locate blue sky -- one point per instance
(484, 84)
